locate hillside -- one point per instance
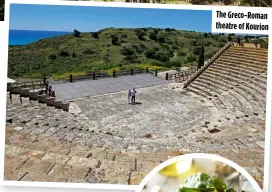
(109, 48)
(2, 8)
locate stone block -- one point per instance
(83, 162)
(38, 167)
(136, 178)
(55, 158)
(42, 98)
(43, 178)
(50, 101)
(15, 89)
(65, 106)
(69, 171)
(24, 92)
(58, 104)
(33, 95)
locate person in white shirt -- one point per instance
(129, 96)
(133, 94)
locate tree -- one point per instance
(153, 36)
(161, 40)
(76, 33)
(95, 35)
(126, 51)
(140, 35)
(52, 57)
(201, 58)
(114, 40)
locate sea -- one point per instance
(23, 37)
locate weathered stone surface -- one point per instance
(83, 162)
(37, 166)
(69, 171)
(104, 140)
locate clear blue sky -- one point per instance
(85, 19)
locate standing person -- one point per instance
(256, 43)
(53, 94)
(129, 96)
(50, 90)
(238, 41)
(46, 87)
(133, 95)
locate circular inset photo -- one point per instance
(198, 173)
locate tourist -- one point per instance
(50, 90)
(46, 87)
(129, 96)
(238, 41)
(53, 94)
(256, 43)
(133, 94)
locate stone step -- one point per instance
(238, 62)
(246, 50)
(231, 86)
(235, 74)
(246, 70)
(227, 76)
(249, 57)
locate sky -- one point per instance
(86, 19)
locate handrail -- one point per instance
(207, 64)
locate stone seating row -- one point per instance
(239, 62)
(36, 95)
(243, 73)
(212, 91)
(243, 91)
(227, 75)
(257, 68)
(236, 78)
(248, 51)
(236, 67)
(246, 56)
(231, 78)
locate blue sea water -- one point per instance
(22, 37)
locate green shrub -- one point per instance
(153, 36)
(175, 63)
(95, 35)
(126, 51)
(114, 40)
(88, 51)
(63, 53)
(191, 58)
(76, 33)
(196, 50)
(161, 40)
(181, 53)
(52, 57)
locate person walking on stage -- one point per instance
(133, 95)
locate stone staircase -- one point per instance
(35, 91)
(236, 82)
